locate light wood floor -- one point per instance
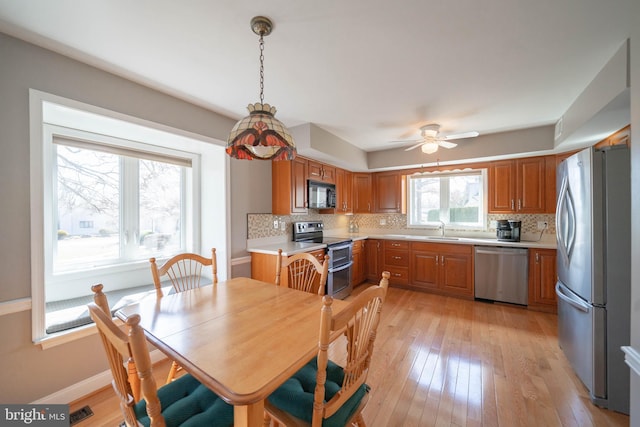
(442, 361)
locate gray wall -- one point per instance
(250, 193)
(31, 373)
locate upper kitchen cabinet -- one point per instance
(362, 193)
(344, 193)
(289, 186)
(387, 192)
(320, 172)
(520, 186)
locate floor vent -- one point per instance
(80, 414)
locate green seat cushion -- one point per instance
(295, 396)
(186, 402)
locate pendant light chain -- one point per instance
(261, 68)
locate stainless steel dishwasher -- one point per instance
(501, 274)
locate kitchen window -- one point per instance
(108, 194)
(456, 198)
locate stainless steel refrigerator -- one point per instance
(593, 218)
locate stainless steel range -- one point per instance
(340, 256)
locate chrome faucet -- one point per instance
(441, 228)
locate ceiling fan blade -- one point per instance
(446, 144)
(414, 146)
(405, 140)
(462, 135)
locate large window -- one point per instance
(115, 205)
(457, 199)
(108, 192)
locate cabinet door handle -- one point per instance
(397, 257)
(437, 259)
(368, 206)
(397, 274)
(519, 204)
(537, 258)
(512, 204)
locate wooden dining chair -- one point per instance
(185, 272)
(141, 402)
(305, 272)
(323, 393)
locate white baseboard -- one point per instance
(241, 260)
(87, 386)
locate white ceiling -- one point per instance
(368, 71)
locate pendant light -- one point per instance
(260, 135)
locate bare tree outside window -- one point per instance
(106, 190)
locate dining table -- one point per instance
(241, 337)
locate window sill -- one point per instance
(65, 337)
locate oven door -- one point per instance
(339, 281)
(339, 255)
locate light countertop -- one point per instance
(291, 248)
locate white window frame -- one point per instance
(66, 285)
(445, 201)
(210, 166)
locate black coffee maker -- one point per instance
(508, 230)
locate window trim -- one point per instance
(214, 167)
(484, 211)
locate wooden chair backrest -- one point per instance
(304, 272)
(130, 347)
(184, 271)
(360, 323)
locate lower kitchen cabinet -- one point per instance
(396, 261)
(542, 280)
(263, 267)
(373, 261)
(442, 268)
(358, 273)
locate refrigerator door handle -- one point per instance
(576, 303)
(565, 221)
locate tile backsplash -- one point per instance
(262, 225)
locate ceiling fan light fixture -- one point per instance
(260, 135)
(429, 147)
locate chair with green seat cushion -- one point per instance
(295, 396)
(184, 402)
(323, 393)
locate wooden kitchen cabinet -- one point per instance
(396, 261)
(289, 186)
(442, 268)
(387, 192)
(358, 269)
(542, 280)
(519, 186)
(344, 186)
(373, 259)
(320, 172)
(263, 266)
(362, 193)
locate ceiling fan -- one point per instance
(431, 139)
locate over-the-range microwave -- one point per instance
(321, 195)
